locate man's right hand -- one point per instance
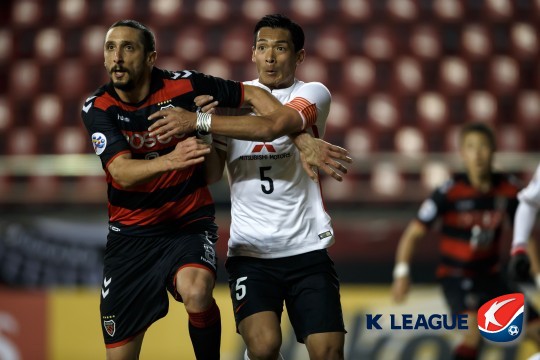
(188, 152)
(519, 266)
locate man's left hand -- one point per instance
(172, 121)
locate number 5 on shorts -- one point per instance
(240, 289)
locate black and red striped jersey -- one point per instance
(169, 202)
(471, 223)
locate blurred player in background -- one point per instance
(161, 214)
(472, 208)
(280, 230)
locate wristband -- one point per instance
(206, 137)
(401, 270)
(204, 122)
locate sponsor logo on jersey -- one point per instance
(123, 118)
(138, 140)
(99, 142)
(110, 327)
(501, 319)
(259, 147)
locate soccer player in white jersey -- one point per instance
(524, 255)
(280, 230)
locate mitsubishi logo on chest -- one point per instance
(259, 147)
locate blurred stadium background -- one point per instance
(404, 76)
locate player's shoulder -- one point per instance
(508, 181)
(177, 74)
(312, 86)
(314, 89)
(449, 184)
(99, 99)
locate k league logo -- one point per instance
(501, 319)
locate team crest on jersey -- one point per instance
(501, 319)
(110, 327)
(259, 147)
(99, 142)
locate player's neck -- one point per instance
(481, 182)
(134, 96)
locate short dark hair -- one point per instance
(481, 128)
(148, 39)
(282, 22)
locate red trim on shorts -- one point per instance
(125, 341)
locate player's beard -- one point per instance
(127, 86)
(124, 86)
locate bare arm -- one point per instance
(128, 172)
(278, 120)
(214, 165)
(405, 250)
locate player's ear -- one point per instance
(300, 56)
(253, 54)
(151, 58)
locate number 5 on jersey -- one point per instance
(270, 188)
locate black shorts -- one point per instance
(469, 294)
(307, 283)
(137, 273)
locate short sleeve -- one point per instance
(107, 139)
(312, 101)
(432, 207)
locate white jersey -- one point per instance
(529, 203)
(276, 209)
(531, 194)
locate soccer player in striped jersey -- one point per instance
(161, 214)
(472, 208)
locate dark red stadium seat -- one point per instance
(379, 43)
(359, 141)
(330, 44)
(403, 10)
(498, 10)
(190, 44)
(72, 12)
(528, 110)
(481, 106)
(408, 77)
(164, 12)
(386, 180)
(434, 174)
(6, 114)
(313, 69)
(425, 42)
(382, 111)
(48, 45)
(432, 110)
(307, 11)
(212, 11)
(410, 141)
(71, 140)
(24, 79)
(503, 75)
(476, 41)
(253, 10)
(355, 11)
(454, 75)
(114, 10)
(47, 113)
(359, 75)
(448, 10)
(26, 12)
(524, 41)
(22, 141)
(71, 80)
(510, 138)
(6, 46)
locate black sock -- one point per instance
(205, 333)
